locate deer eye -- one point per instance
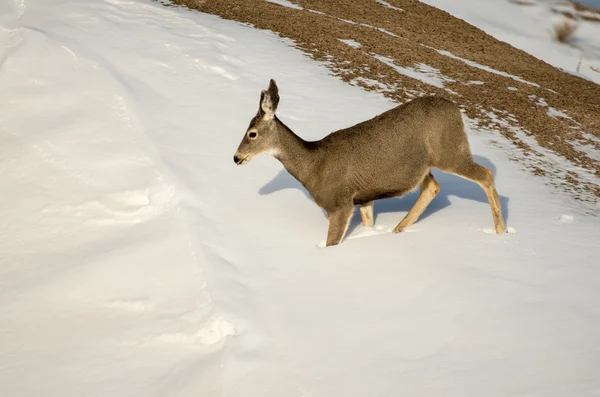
(252, 135)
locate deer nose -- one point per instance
(236, 159)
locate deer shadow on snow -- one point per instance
(450, 185)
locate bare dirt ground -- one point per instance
(551, 118)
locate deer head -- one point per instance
(261, 136)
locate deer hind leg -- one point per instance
(484, 178)
(366, 214)
(339, 219)
(429, 189)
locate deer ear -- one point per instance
(269, 99)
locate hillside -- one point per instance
(406, 48)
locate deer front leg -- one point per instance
(366, 214)
(338, 224)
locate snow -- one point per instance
(351, 43)
(382, 30)
(529, 28)
(388, 5)
(553, 112)
(485, 68)
(286, 3)
(420, 71)
(136, 259)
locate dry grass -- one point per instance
(564, 31)
(595, 69)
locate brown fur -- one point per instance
(386, 156)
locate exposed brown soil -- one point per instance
(411, 37)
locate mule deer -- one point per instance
(387, 156)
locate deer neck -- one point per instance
(296, 155)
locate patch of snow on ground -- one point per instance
(547, 155)
(348, 21)
(420, 71)
(351, 43)
(590, 149)
(372, 83)
(553, 112)
(286, 3)
(382, 30)
(538, 101)
(483, 67)
(388, 5)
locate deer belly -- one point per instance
(371, 195)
